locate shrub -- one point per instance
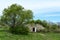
(43, 30)
(19, 30)
(57, 31)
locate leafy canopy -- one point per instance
(16, 15)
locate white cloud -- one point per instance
(42, 5)
(33, 4)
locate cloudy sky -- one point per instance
(43, 9)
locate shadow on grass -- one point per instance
(4, 30)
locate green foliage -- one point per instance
(38, 22)
(44, 23)
(31, 22)
(19, 30)
(49, 27)
(16, 15)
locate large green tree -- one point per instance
(16, 15)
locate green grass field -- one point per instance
(32, 36)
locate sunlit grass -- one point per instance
(4, 35)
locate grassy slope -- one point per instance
(32, 36)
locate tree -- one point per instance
(31, 22)
(46, 25)
(16, 15)
(38, 22)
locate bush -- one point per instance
(57, 31)
(19, 30)
(43, 30)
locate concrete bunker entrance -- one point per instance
(34, 29)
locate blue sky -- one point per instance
(43, 9)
